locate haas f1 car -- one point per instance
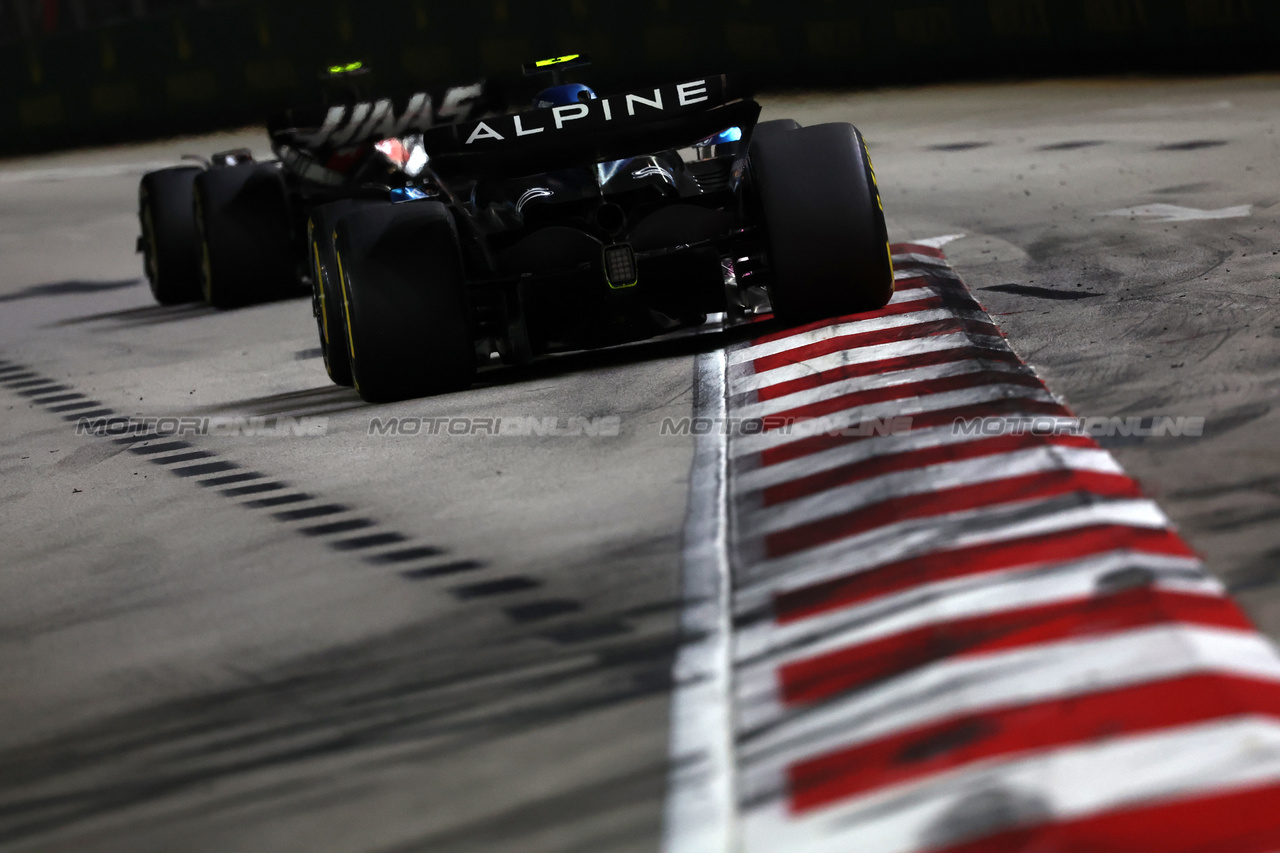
(438, 235)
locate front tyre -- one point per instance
(409, 332)
(827, 241)
(246, 235)
(170, 242)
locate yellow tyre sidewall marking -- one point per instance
(324, 313)
(875, 187)
(346, 311)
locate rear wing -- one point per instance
(592, 131)
(350, 124)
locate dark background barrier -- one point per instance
(195, 69)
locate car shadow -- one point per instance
(68, 288)
(152, 315)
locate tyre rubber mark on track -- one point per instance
(337, 525)
(957, 641)
(1176, 213)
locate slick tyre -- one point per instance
(826, 237)
(770, 129)
(170, 243)
(326, 289)
(409, 331)
(246, 235)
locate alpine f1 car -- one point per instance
(583, 221)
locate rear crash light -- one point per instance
(620, 266)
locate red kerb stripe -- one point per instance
(1003, 732)
(1057, 547)
(1237, 821)
(823, 676)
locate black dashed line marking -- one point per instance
(74, 406)
(159, 448)
(371, 541)
(279, 500)
(1192, 145)
(548, 608)
(501, 586)
(582, 632)
(310, 512)
(183, 457)
(1070, 146)
(71, 407)
(134, 438)
(456, 567)
(404, 555)
(958, 146)
(335, 527)
(48, 389)
(209, 468)
(255, 489)
(232, 478)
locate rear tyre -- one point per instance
(246, 235)
(769, 129)
(827, 241)
(170, 243)
(326, 290)
(408, 322)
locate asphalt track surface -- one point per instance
(469, 645)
